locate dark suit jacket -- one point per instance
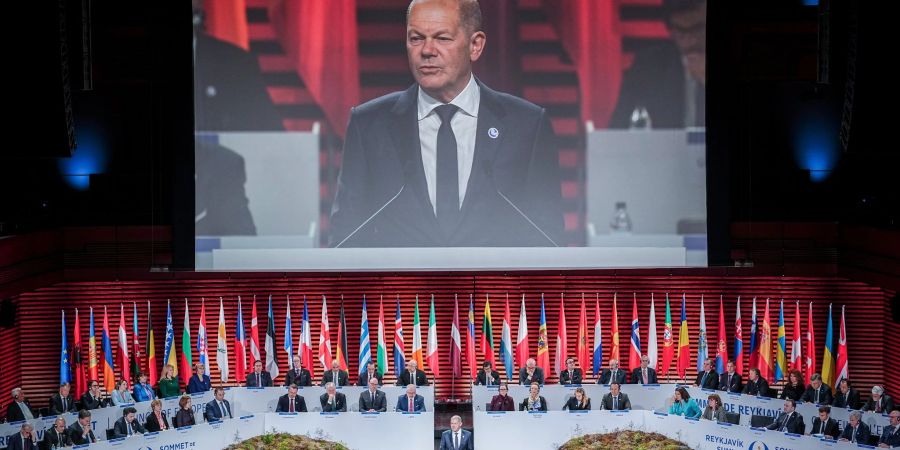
(887, 404)
(537, 377)
(339, 405)
(153, 425)
(54, 438)
(624, 401)
(481, 378)
(863, 433)
(851, 400)
(656, 82)
(791, 392)
(213, 414)
(379, 403)
(14, 413)
(524, 405)
(418, 403)
(636, 376)
(195, 384)
(56, 407)
(825, 397)
(830, 428)
(120, 429)
(759, 388)
(364, 379)
(184, 418)
(500, 403)
(261, 380)
(465, 440)
(793, 424)
(89, 402)
(572, 405)
(76, 434)
(607, 377)
(14, 442)
(284, 404)
(711, 381)
(404, 380)
(889, 437)
(342, 379)
(303, 379)
(515, 154)
(575, 379)
(735, 385)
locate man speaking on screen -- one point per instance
(448, 161)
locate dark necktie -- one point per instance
(728, 387)
(447, 183)
(615, 403)
(64, 409)
(703, 380)
(456, 440)
(291, 404)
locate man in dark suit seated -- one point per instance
(259, 377)
(856, 430)
(846, 396)
(571, 375)
(817, 392)
(825, 425)
(127, 426)
(92, 399)
(25, 439)
(644, 374)
(62, 401)
(369, 374)
(448, 162)
(291, 402)
(412, 375)
(56, 436)
(615, 400)
(372, 399)
(456, 438)
(82, 432)
(20, 408)
(789, 421)
(730, 381)
(890, 438)
(218, 408)
(298, 375)
(756, 385)
(612, 375)
(707, 378)
(487, 376)
(411, 402)
(880, 402)
(531, 373)
(335, 375)
(332, 400)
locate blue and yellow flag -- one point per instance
(781, 359)
(828, 356)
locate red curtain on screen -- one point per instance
(227, 20)
(590, 33)
(320, 38)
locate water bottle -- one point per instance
(621, 222)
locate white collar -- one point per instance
(467, 100)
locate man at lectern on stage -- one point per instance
(448, 161)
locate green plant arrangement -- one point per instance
(285, 441)
(623, 440)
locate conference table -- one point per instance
(244, 402)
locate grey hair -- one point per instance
(877, 390)
(469, 15)
(329, 385)
(16, 391)
(856, 414)
(815, 377)
(456, 418)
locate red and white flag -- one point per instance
(124, 362)
(523, 350)
(796, 345)
(254, 336)
(325, 357)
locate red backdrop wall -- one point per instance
(29, 352)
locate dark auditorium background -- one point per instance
(110, 220)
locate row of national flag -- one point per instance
(133, 359)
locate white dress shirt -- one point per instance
(464, 124)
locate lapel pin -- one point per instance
(493, 133)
